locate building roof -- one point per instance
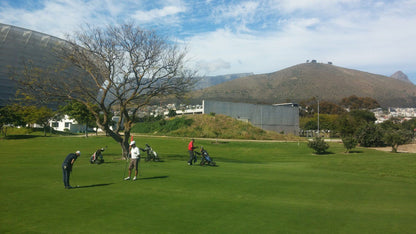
(18, 45)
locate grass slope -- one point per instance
(258, 187)
(208, 126)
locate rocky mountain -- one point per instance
(307, 80)
(400, 76)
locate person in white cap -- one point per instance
(135, 158)
(67, 167)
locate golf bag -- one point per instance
(97, 157)
(205, 158)
(151, 154)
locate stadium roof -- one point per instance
(18, 45)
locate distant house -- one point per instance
(67, 124)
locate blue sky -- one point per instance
(229, 36)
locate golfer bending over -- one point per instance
(67, 167)
(135, 158)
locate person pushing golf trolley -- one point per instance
(135, 158)
(191, 147)
(67, 167)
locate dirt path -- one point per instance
(409, 148)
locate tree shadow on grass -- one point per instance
(19, 137)
(93, 185)
(354, 152)
(323, 154)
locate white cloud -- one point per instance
(290, 6)
(157, 14)
(360, 38)
(55, 17)
(240, 10)
(207, 67)
(252, 36)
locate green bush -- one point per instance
(394, 138)
(162, 126)
(349, 142)
(176, 123)
(370, 135)
(319, 145)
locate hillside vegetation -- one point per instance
(304, 81)
(208, 126)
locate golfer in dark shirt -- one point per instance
(67, 167)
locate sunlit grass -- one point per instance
(258, 187)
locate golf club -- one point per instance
(76, 186)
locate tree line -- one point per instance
(354, 123)
(18, 115)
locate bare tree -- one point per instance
(118, 68)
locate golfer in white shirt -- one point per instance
(135, 158)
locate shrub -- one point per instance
(394, 138)
(349, 142)
(176, 123)
(319, 145)
(172, 113)
(370, 135)
(163, 126)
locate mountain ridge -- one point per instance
(307, 80)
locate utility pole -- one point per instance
(318, 116)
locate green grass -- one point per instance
(258, 187)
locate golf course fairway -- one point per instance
(257, 187)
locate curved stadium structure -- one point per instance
(18, 45)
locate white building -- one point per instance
(67, 124)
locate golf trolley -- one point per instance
(97, 157)
(205, 158)
(151, 154)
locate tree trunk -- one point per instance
(126, 143)
(394, 148)
(123, 141)
(125, 148)
(86, 130)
